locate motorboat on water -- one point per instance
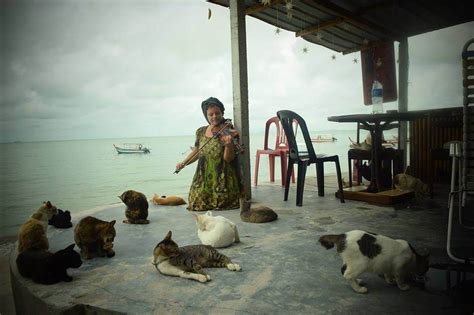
(132, 148)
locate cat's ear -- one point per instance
(48, 204)
(168, 236)
(112, 223)
(70, 247)
(120, 197)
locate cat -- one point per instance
(32, 233)
(61, 220)
(167, 200)
(95, 237)
(363, 252)
(256, 215)
(47, 268)
(405, 182)
(137, 207)
(188, 261)
(216, 231)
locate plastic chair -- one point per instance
(388, 154)
(280, 150)
(305, 158)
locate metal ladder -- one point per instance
(463, 157)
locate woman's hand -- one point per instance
(180, 166)
(226, 139)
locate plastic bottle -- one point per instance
(377, 97)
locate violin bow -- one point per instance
(227, 122)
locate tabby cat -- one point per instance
(188, 261)
(137, 207)
(256, 215)
(48, 268)
(95, 237)
(61, 220)
(405, 182)
(32, 234)
(363, 252)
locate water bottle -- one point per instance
(377, 97)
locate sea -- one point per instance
(80, 175)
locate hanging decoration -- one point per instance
(333, 57)
(378, 63)
(319, 36)
(277, 31)
(355, 60)
(289, 7)
(305, 50)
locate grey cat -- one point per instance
(188, 261)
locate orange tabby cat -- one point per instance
(32, 234)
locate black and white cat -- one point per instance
(48, 268)
(363, 252)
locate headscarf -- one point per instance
(211, 101)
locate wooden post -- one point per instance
(240, 85)
(403, 65)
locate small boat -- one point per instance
(132, 148)
(324, 138)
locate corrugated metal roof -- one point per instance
(347, 26)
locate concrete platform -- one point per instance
(284, 269)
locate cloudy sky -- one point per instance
(113, 69)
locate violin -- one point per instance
(223, 129)
(227, 129)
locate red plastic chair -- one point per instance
(280, 150)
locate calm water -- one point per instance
(79, 175)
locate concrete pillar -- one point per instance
(240, 85)
(403, 66)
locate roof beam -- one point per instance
(260, 7)
(345, 15)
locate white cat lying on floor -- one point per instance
(363, 252)
(216, 231)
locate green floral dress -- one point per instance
(216, 183)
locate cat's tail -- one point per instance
(328, 241)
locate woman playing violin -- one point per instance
(216, 182)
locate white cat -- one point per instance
(363, 252)
(216, 231)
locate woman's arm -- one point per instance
(229, 153)
(192, 157)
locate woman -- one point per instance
(216, 183)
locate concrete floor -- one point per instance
(284, 269)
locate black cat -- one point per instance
(62, 220)
(48, 268)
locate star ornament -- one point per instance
(289, 5)
(277, 31)
(319, 36)
(333, 57)
(379, 62)
(265, 2)
(305, 50)
(355, 60)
